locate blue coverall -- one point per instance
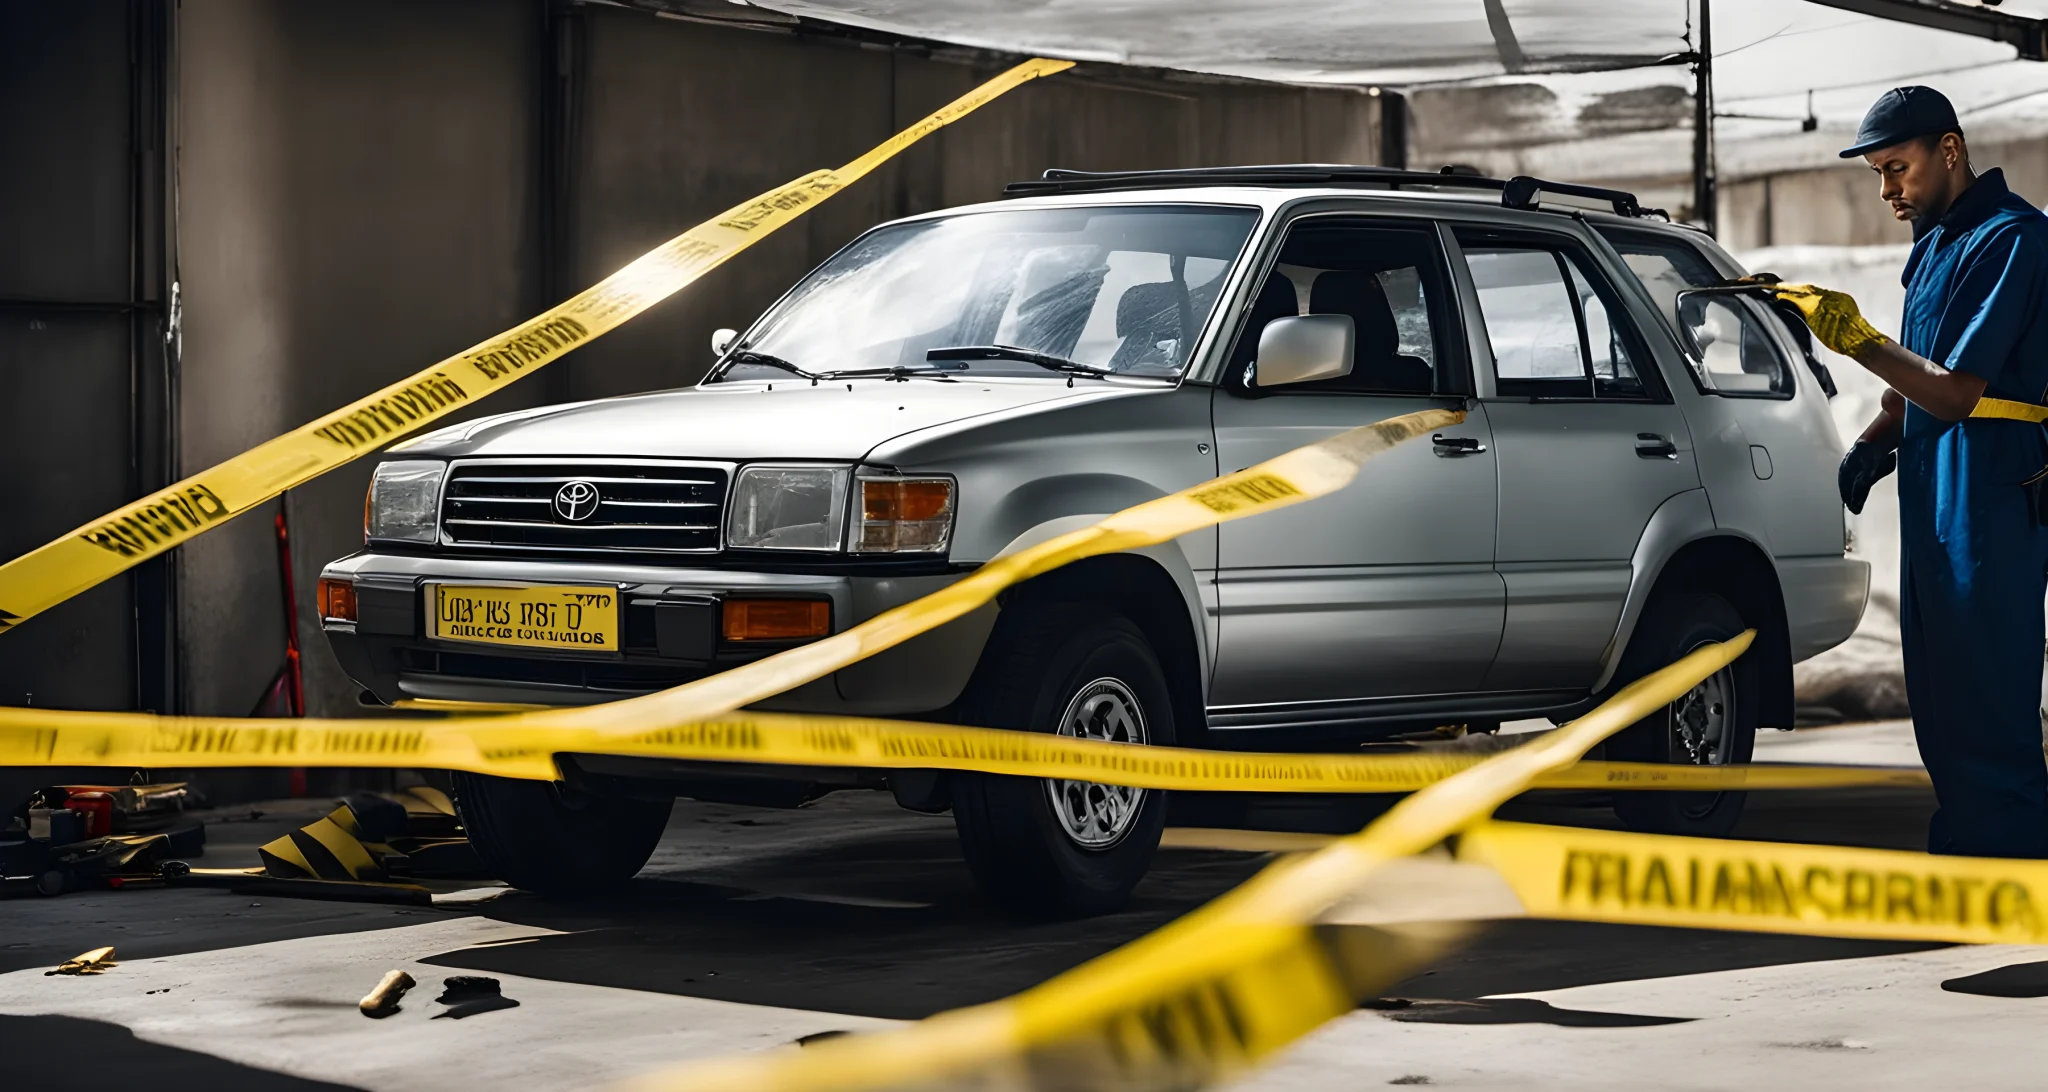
(1973, 553)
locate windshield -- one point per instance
(1121, 289)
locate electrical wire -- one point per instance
(1873, 82)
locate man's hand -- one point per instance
(1864, 466)
(1833, 316)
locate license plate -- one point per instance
(560, 616)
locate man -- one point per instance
(1962, 425)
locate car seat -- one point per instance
(1377, 363)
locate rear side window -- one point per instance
(1727, 339)
(1665, 268)
(1552, 325)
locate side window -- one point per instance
(1728, 342)
(1614, 373)
(1529, 319)
(1729, 349)
(1388, 278)
(1551, 324)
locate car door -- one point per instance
(1775, 478)
(1336, 609)
(1588, 446)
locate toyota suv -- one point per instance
(1642, 468)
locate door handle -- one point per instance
(1455, 445)
(1649, 445)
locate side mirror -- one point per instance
(1728, 347)
(721, 340)
(1304, 348)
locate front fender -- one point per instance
(1167, 555)
(1683, 518)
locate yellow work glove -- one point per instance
(1832, 316)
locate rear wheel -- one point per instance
(1055, 847)
(553, 839)
(1713, 724)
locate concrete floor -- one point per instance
(750, 929)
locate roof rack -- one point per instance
(1519, 192)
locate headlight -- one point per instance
(404, 500)
(788, 508)
(904, 515)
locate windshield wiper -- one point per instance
(769, 360)
(1011, 352)
(898, 372)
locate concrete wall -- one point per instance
(363, 194)
(66, 447)
(358, 201)
(1839, 206)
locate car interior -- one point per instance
(1386, 279)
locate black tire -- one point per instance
(1020, 851)
(1683, 732)
(555, 840)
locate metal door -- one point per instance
(1589, 445)
(1356, 605)
(1385, 589)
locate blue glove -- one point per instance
(1863, 467)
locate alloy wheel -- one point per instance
(1096, 816)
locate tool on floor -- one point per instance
(369, 849)
(467, 995)
(94, 962)
(383, 1001)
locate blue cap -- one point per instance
(1900, 115)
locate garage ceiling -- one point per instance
(1296, 41)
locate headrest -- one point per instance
(1358, 293)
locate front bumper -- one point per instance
(387, 652)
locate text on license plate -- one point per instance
(545, 616)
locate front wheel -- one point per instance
(1713, 724)
(1053, 847)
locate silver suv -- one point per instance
(1641, 470)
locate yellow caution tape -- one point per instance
(450, 705)
(127, 536)
(1652, 775)
(1215, 991)
(1771, 887)
(822, 740)
(504, 747)
(1243, 841)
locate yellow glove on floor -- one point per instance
(1832, 316)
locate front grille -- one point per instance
(640, 506)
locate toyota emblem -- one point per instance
(576, 501)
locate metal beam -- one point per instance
(1504, 41)
(1703, 196)
(2029, 36)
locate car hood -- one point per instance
(795, 420)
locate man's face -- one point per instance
(1913, 177)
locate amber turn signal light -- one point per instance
(904, 515)
(905, 500)
(775, 619)
(337, 600)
